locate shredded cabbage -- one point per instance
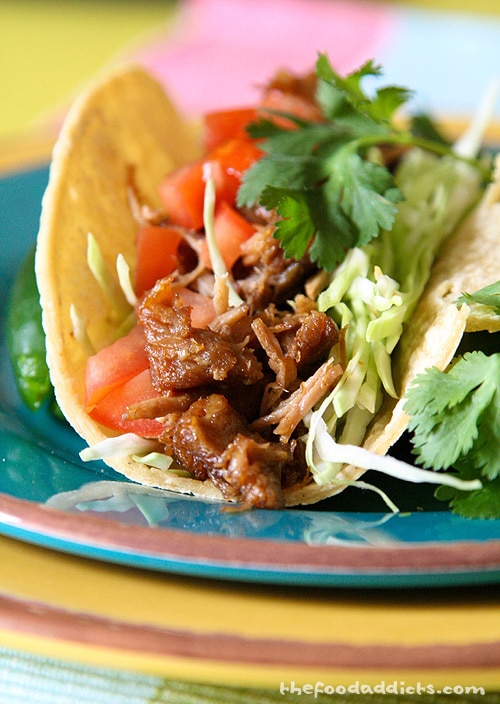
(111, 289)
(160, 460)
(330, 456)
(80, 332)
(125, 280)
(218, 265)
(119, 446)
(376, 288)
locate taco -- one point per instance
(213, 367)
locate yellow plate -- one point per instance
(226, 633)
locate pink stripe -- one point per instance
(222, 49)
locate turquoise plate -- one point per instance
(48, 497)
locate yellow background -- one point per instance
(48, 48)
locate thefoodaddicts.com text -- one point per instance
(394, 687)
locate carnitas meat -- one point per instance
(237, 391)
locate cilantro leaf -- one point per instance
(321, 177)
(488, 296)
(482, 503)
(345, 210)
(307, 139)
(365, 191)
(335, 231)
(455, 420)
(295, 229)
(422, 125)
(454, 414)
(388, 100)
(304, 214)
(338, 95)
(276, 173)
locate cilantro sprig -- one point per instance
(329, 189)
(455, 420)
(455, 414)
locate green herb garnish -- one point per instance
(455, 419)
(327, 181)
(488, 296)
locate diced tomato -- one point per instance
(202, 307)
(182, 193)
(231, 230)
(221, 125)
(228, 163)
(156, 255)
(114, 365)
(292, 103)
(110, 409)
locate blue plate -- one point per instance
(48, 497)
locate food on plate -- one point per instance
(233, 310)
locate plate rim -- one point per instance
(171, 549)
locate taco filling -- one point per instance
(214, 313)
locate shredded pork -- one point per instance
(234, 394)
(213, 441)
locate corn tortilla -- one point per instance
(126, 120)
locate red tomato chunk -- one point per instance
(182, 191)
(111, 409)
(114, 365)
(231, 230)
(228, 164)
(222, 125)
(156, 255)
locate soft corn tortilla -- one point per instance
(125, 120)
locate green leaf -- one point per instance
(487, 296)
(368, 194)
(299, 142)
(455, 415)
(277, 172)
(335, 232)
(337, 94)
(485, 455)
(422, 125)
(387, 101)
(295, 229)
(347, 89)
(483, 503)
